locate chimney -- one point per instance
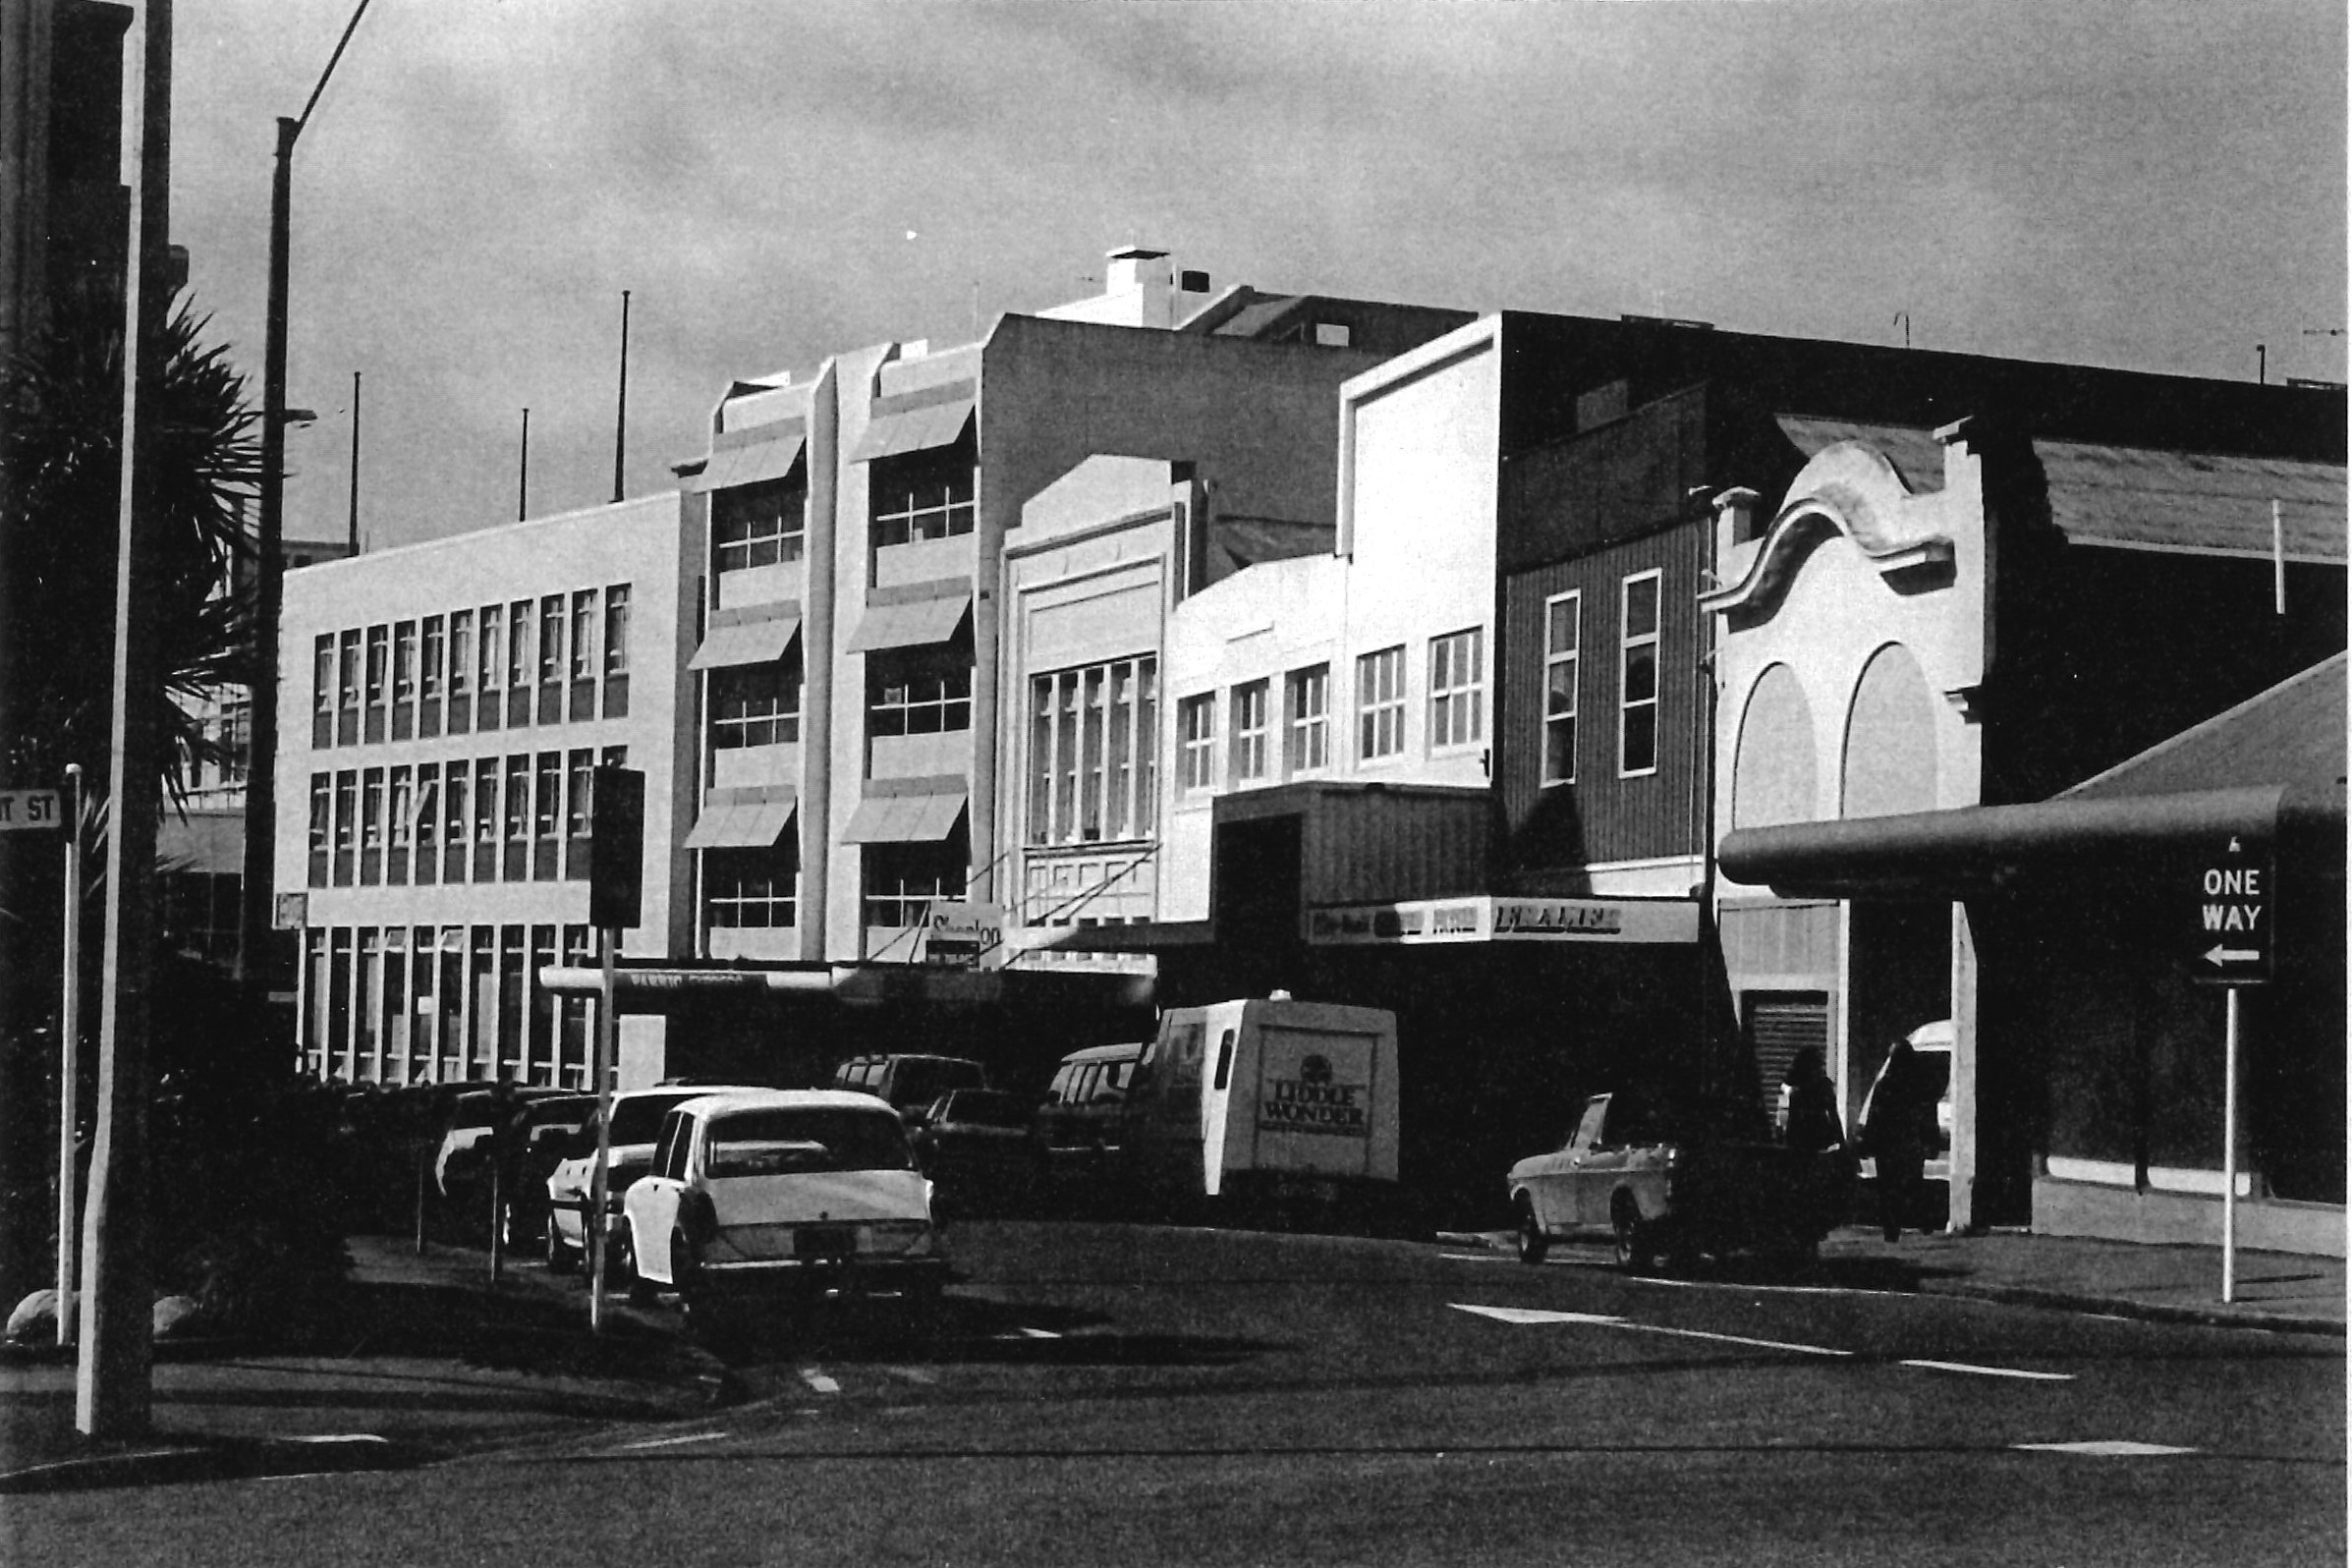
(1146, 277)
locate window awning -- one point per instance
(910, 625)
(756, 822)
(746, 642)
(768, 453)
(915, 423)
(905, 818)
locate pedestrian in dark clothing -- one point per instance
(1898, 1134)
(1810, 1101)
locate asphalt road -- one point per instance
(1108, 1394)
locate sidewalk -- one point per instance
(2275, 1291)
(427, 1360)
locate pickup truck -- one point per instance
(1674, 1181)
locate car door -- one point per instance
(1593, 1165)
(568, 1186)
(652, 1201)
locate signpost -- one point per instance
(616, 898)
(963, 935)
(2232, 941)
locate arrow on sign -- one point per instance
(2233, 955)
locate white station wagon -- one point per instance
(797, 1193)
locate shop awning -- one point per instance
(759, 454)
(905, 818)
(916, 422)
(2270, 769)
(739, 822)
(758, 642)
(910, 625)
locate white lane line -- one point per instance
(672, 1442)
(1039, 1333)
(1530, 1315)
(339, 1437)
(1761, 1287)
(912, 1374)
(1992, 1372)
(1478, 1258)
(819, 1380)
(2108, 1448)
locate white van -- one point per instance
(1270, 1100)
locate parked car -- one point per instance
(1931, 1045)
(1666, 1178)
(637, 1115)
(462, 1166)
(975, 1146)
(793, 1195)
(1078, 1123)
(542, 1137)
(910, 1082)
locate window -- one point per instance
(489, 686)
(922, 495)
(347, 689)
(910, 692)
(322, 825)
(584, 656)
(1249, 717)
(460, 672)
(485, 819)
(903, 880)
(322, 693)
(757, 525)
(1563, 631)
(757, 705)
(752, 889)
(1637, 726)
(546, 816)
(379, 646)
(1380, 704)
(429, 823)
(428, 671)
(518, 662)
(235, 738)
(371, 826)
(455, 837)
(616, 650)
(1458, 689)
(404, 662)
(1306, 710)
(516, 865)
(1196, 743)
(552, 659)
(401, 826)
(579, 781)
(1092, 731)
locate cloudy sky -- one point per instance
(2158, 185)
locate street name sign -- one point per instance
(29, 812)
(2233, 899)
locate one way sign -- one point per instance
(2234, 900)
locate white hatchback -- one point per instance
(803, 1193)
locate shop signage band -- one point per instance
(1487, 917)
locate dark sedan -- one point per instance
(975, 1146)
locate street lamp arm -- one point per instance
(348, 28)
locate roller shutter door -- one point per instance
(1778, 1026)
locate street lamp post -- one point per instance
(253, 915)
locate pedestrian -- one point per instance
(1897, 1133)
(1809, 1102)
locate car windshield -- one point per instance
(638, 1119)
(791, 1140)
(986, 1107)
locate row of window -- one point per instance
(1637, 677)
(912, 498)
(1457, 715)
(758, 888)
(918, 690)
(521, 818)
(556, 659)
(394, 1004)
(1092, 752)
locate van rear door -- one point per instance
(1316, 1090)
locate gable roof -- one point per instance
(2206, 503)
(2291, 734)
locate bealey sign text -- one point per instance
(2234, 906)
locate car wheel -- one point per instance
(1637, 1248)
(561, 1257)
(1532, 1242)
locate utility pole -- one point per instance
(523, 477)
(254, 912)
(620, 429)
(355, 463)
(113, 1396)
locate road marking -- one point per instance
(819, 1380)
(1992, 1372)
(339, 1437)
(672, 1442)
(1474, 1258)
(912, 1374)
(2108, 1448)
(1530, 1315)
